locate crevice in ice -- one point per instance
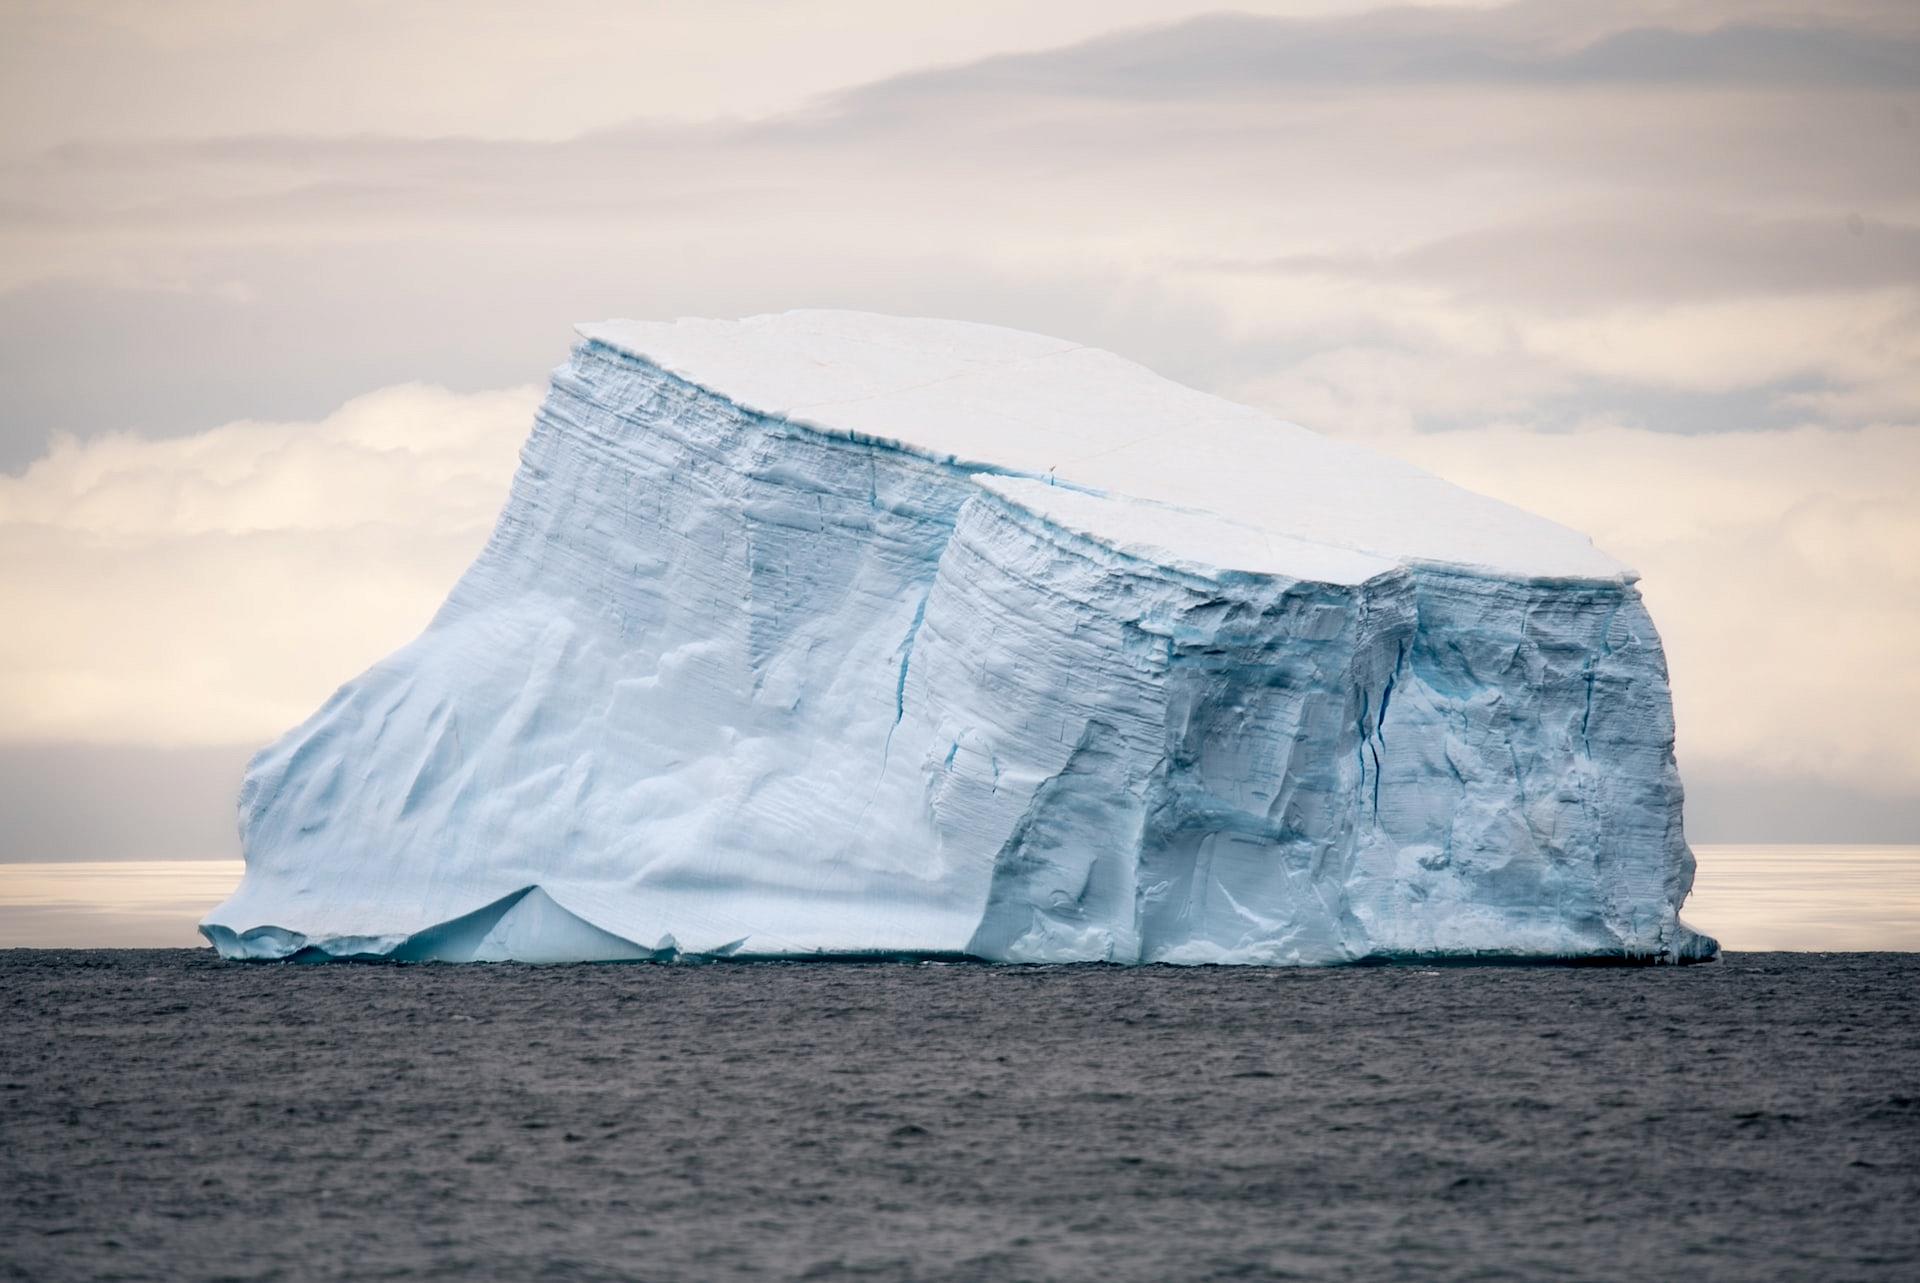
(1363, 734)
(1586, 713)
(906, 658)
(899, 696)
(436, 760)
(1375, 750)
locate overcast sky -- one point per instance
(280, 284)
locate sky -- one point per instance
(280, 284)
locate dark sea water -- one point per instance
(164, 1115)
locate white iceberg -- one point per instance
(829, 634)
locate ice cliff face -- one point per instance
(838, 634)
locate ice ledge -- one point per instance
(526, 926)
(1028, 404)
(1183, 539)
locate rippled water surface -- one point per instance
(163, 1115)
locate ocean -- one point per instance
(164, 1115)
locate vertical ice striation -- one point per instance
(838, 634)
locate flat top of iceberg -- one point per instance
(1024, 403)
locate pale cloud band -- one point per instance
(215, 588)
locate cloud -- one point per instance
(119, 802)
(1718, 246)
(212, 589)
(1667, 255)
(88, 68)
(1858, 339)
(1557, 44)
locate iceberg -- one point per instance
(837, 635)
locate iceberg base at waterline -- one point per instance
(835, 635)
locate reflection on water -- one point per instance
(1750, 897)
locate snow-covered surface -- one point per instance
(1026, 403)
(829, 634)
